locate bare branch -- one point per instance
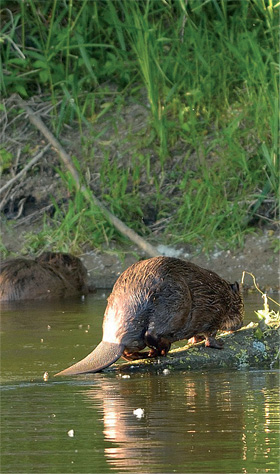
(66, 159)
(26, 168)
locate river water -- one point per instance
(186, 422)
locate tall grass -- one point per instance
(210, 71)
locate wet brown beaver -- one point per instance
(51, 275)
(159, 301)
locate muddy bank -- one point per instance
(252, 347)
(256, 257)
(29, 200)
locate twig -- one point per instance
(117, 223)
(51, 138)
(14, 167)
(35, 214)
(267, 219)
(26, 168)
(21, 206)
(256, 286)
(4, 200)
(182, 31)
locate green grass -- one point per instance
(210, 71)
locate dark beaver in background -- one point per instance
(159, 301)
(51, 275)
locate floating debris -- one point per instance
(71, 433)
(125, 376)
(139, 413)
(46, 376)
(166, 371)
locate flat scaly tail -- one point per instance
(105, 354)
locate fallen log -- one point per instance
(255, 346)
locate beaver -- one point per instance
(51, 275)
(159, 301)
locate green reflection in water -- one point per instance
(224, 422)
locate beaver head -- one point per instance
(235, 309)
(68, 267)
(51, 275)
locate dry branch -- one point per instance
(149, 249)
(25, 169)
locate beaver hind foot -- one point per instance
(159, 346)
(135, 355)
(196, 339)
(210, 341)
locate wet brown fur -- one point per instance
(51, 275)
(159, 301)
(162, 300)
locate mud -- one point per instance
(256, 257)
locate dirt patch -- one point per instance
(106, 264)
(28, 200)
(256, 257)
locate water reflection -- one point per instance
(220, 422)
(198, 422)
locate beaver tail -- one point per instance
(105, 354)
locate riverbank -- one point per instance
(182, 149)
(257, 257)
(105, 264)
(255, 346)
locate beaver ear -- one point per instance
(235, 287)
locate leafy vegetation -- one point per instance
(206, 162)
(269, 316)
